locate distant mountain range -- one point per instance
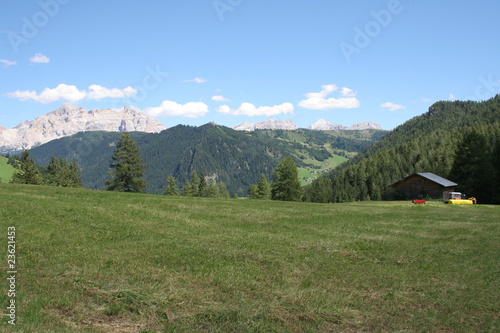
(320, 125)
(323, 125)
(68, 120)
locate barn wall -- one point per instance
(412, 187)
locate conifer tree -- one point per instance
(192, 186)
(223, 192)
(187, 189)
(27, 171)
(252, 191)
(263, 188)
(202, 187)
(320, 190)
(473, 168)
(496, 168)
(172, 188)
(62, 173)
(286, 185)
(195, 183)
(127, 167)
(212, 190)
(74, 176)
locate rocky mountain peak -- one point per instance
(267, 124)
(69, 119)
(323, 125)
(365, 125)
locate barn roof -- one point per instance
(437, 179)
(432, 177)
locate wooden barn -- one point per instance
(424, 184)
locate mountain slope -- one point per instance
(427, 143)
(68, 120)
(234, 157)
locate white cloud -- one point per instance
(346, 92)
(319, 100)
(219, 98)
(71, 93)
(249, 109)
(452, 97)
(40, 59)
(392, 106)
(426, 100)
(196, 80)
(170, 108)
(98, 92)
(7, 63)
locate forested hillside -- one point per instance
(456, 140)
(233, 157)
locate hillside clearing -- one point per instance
(93, 261)
(6, 170)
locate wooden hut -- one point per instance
(424, 184)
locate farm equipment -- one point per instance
(457, 198)
(418, 201)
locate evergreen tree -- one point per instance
(472, 169)
(54, 171)
(127, 167)
(212, 190)
(27, 171)
(187, 189)
(74, 175)
(172, 188)
(202, 187)
(263, 188)
(253, 191)
(223, 192)
(195, 183)
(62, 173)
(192, 186)
(321, 190)
(286, 185)
(496, 168)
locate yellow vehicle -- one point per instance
(457, 198)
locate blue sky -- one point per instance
(229, 61)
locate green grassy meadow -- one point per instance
(95, 261)
(6, 170)
(329, 163)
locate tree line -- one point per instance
(285, 185)
(58, 173)
(128, 171)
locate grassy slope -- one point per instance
(6, 170)
(93, 261)
(330, 163)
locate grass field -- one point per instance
(6, 170)
(92, 261)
